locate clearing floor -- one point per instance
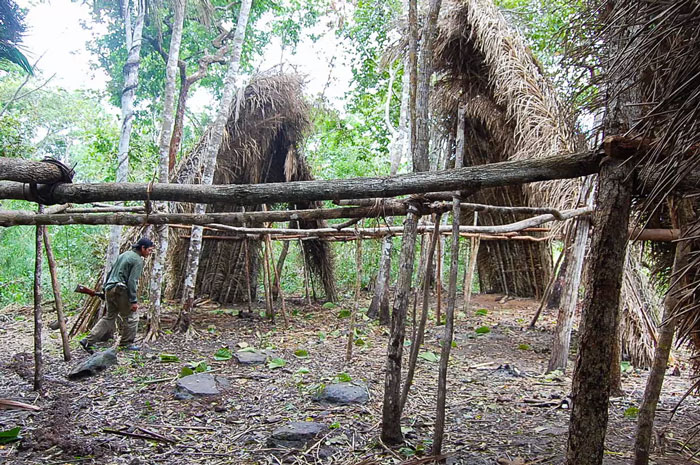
(501, 408)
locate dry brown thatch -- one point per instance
(267, 124)
(657, 47)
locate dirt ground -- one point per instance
(501, 409)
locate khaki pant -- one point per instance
(118, 311)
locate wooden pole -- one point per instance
(475, 242)
(547, 290)
(38, 361)
(267, 283)
(306, 272)
(57, 296)
(419, 333)
(672, 305)
(438, 284)
(468, 178)
(356, 305)
(29, 171)
(247, 274)
(391, 411)
(279, 268)
(268, 244)
(591, 380)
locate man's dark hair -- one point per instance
(143, 242)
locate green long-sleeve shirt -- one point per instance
(126, 270)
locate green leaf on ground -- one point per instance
(429, 356)
(223, 354)
(9, 435)
(481, 312)
(303, 371)
(169, 358)
(276, 362)
(483, 330)
(344, 314)
(343, 377)
(524, 347)
(329, 305)
(631, 412)
(301, 353)
(247, 349)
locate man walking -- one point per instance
(120, 296)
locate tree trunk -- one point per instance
(591, 381)
(672, 302)
(391, 411)
(58, 301)
(577, 253)
(131, 78)
(38, 360)
(210, 152)
(380, 299)
(559, 286)
(417, 340)
(154, 309)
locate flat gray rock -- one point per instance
(200, 384)
(344, 394)
(251, 358)
(295, 435)
(96, 363)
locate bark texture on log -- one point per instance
(468, 178)
(30, 172)
(391, 412)
(591, 382)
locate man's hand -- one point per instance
(134, 307)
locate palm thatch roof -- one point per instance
(657, 48)
(268, 121)
(513, 112)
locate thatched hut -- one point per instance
(264, 132)
(513, 112)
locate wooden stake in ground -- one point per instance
(356, 306)
(57, 296)
(391, 411)
(278, 270)
(38, 361)
(672, 303)
(475, 242)
(438, 433)
(306, 272)
(591, 381)
(419, 333)
(267, 282)
(277, 282)
(438, 286)
(246, 250)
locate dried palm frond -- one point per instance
(481, 58)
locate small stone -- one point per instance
(344, 394)
(295, 435)
(251, 358)
(200, 384)
(96, 363)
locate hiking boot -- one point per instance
(86, 347)
(133, 347)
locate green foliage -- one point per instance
(168, 358)
(276, 362)
(482, 330)
(429, 356)
(524, 347)
(223, 354)
(301, 353)
(481, 312)
(194, 367)
(10, 435)
(631, 412)
(342, 377)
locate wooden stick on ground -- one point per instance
(38, 361)
(57, 296)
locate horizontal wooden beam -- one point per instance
(30, 172)
(467, 179)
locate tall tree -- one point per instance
(134, 15)
(209, 159)
(166, 131)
